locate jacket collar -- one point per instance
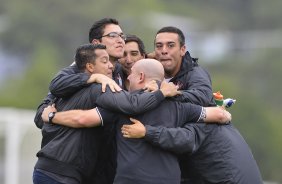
(187, 65)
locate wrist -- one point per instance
(92, 78)
(164, 92)
(51, 116)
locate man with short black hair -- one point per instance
(134, 50)
(180, 68)
(138, 161)
(73, 156)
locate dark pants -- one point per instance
(40, 178)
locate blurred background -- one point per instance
(238, 42)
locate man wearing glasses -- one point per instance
(70, 80)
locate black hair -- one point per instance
(171, 29)
(86, 54)
(134, 38)
(97, 29)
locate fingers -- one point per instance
(125, 131)
(134, 120)
(169, 89)
(151, 86)
(53, 108)
(228, 117)
(151, 55)
(117, 87)
(112, 88)
(126, 127)
(125, 135)
(104, 85)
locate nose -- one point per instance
(120, 39)
(164, 50)
(110, 66)
(128, 59)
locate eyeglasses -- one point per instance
(115, 35)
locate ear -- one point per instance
(142, 77)
(95, 41)
(183, 50)
(89, 67)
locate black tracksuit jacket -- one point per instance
(208, 153)
(195, 82)
(80, 153)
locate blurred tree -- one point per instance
(27, 90)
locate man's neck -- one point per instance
(169, 75)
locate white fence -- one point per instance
(21, 142)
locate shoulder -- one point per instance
(95, 87)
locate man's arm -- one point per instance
(199, 89)
(68, 81)
(63, 85)
(49, 99)
(127, 103)
(177, 140)
(207, 115)
(180, 139)
(135, 103)
(73, 118)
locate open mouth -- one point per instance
(165, 60)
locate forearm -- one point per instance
(66, 85)
(215, 115)
(78, 118)
(130, 104)
(177, 140)
(68, 81)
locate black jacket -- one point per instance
(139, 162)
(212, 153)
(67, 82)
(74, 152)
(195, 81)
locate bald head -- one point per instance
(144, 71)
(152, 69)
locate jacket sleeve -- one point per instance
(129, 103)
(49, 99)
(199, 88)
(68, 81)
(179, 140)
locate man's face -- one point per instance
(169, 52)
(115, 45)
(133, 79)
(102, 64)
(131, 55)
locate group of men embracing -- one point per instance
(120, 115)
